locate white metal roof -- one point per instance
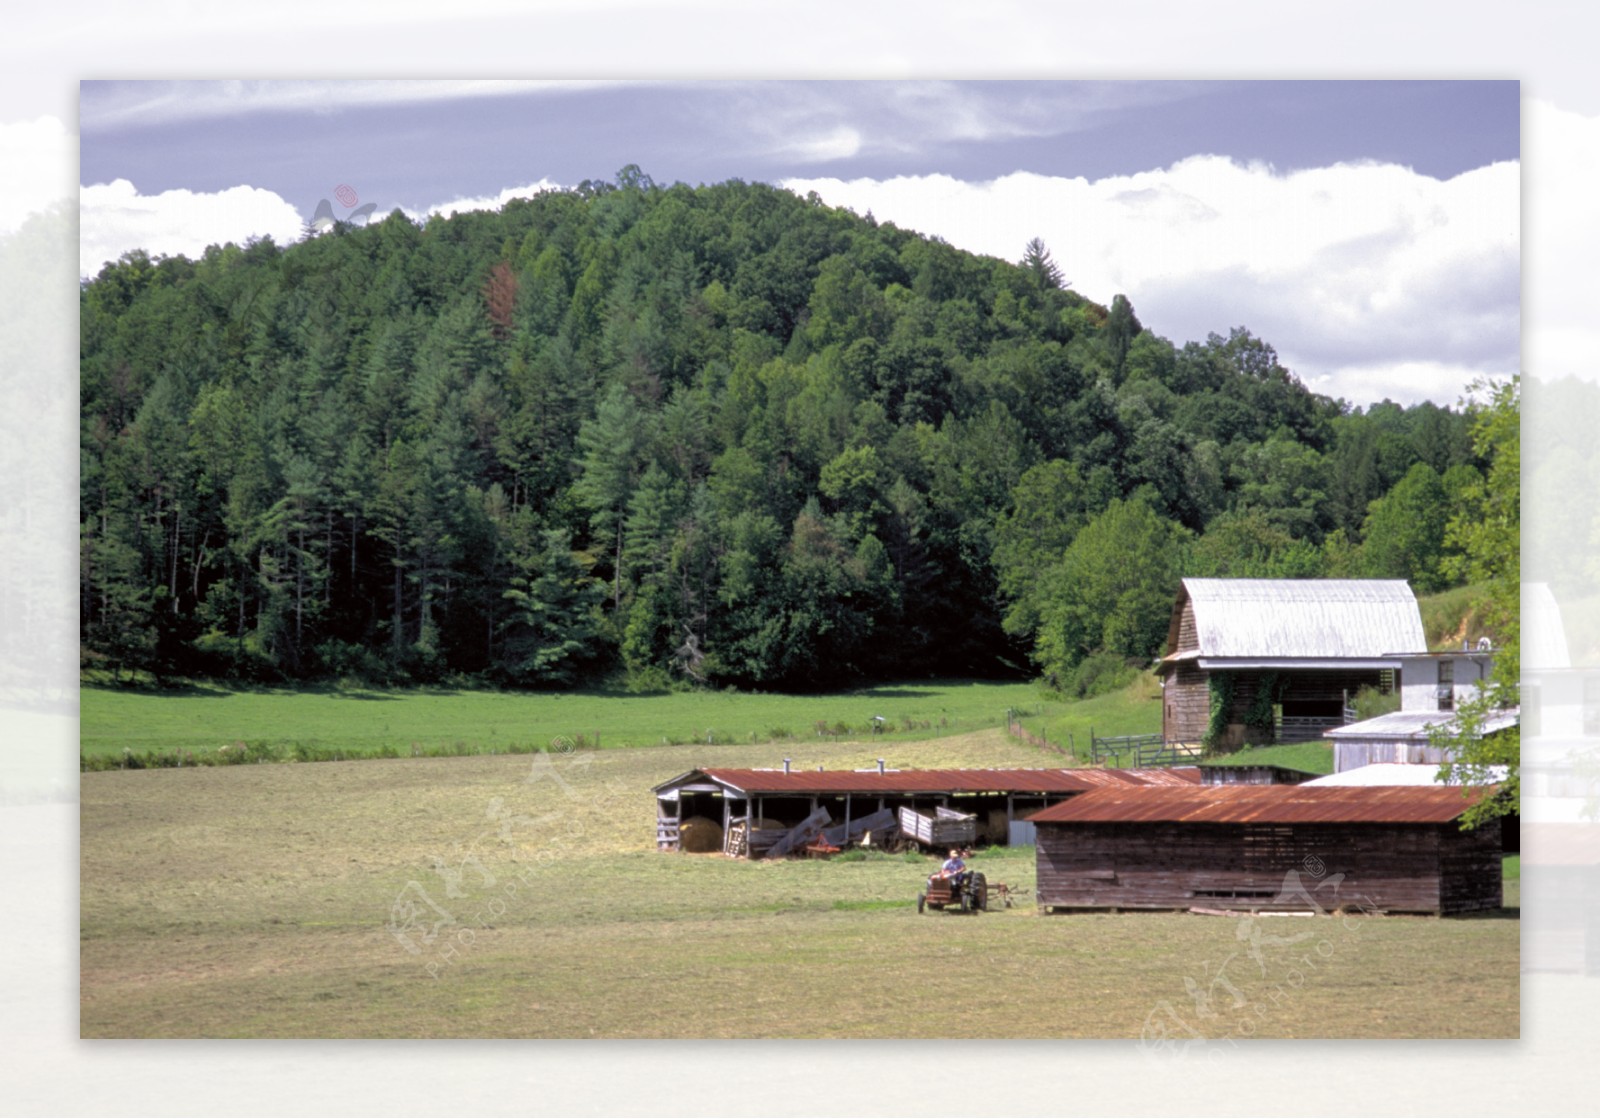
(1393, 773)
(1337, 618)
(1415, 724)
(1237, 663)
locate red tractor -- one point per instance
(968, 890)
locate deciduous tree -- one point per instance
(1489, 534)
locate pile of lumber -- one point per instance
(816, 835)
(801, 834)
(846, 834)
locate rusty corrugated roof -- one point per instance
(1263, 804)
(838, 781)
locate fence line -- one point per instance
(1015, 728)
(1143, 751)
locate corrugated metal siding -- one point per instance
(1367, 752)
(1300, 617)
(1264, 804)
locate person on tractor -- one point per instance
(955, 870)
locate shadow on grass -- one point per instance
(895, 692)
(222, 689)
(175, 689)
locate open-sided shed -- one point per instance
(1268, 848)
(774, 800)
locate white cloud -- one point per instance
(956, 110)
(37, 161)
(118, 103)
(483, 202)
(840, 142)
(1369, 279)
(1405, 382)
(114, 218)
(821, 121)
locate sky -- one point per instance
(1366, 229)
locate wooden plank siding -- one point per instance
(1403, 868)
(1185, 703)
(1467, 870)
(1188, 632)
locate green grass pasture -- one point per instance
(1135, 709)
(203, 718)
(1308, 757)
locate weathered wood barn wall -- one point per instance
(1311, 642)
(1267, 848)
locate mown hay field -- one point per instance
(518, 896)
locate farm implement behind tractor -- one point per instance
(974, 894)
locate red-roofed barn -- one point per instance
(775, 799)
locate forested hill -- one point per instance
(719, 433)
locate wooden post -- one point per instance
(846, 842)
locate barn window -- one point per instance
(1446, 691)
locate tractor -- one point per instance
(968, 891)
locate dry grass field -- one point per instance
(520, 896)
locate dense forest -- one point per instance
(721, 434)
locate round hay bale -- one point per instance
(698, 835)
(764, 824)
